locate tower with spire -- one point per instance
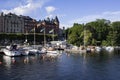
(56, 21)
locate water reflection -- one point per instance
(9, 61)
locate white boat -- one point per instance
(24, 51)
(36, 51)
(88, 49)
(52, 53)
(98, 49)
(109, 48)
(42, 51)
(33, 51)
(25, 48)
(11, 51)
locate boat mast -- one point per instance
(26, 36)
(44, 38)
(84, 36)
(84, 41)
(34, 38)
(53, 34)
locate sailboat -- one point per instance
(25, 48)
(85, 49)
(89, 48)
(34, 51)
(51, 51)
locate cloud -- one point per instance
(65, 25)
(50, 16)
(50, 9)
(29, 7)
(112, 16)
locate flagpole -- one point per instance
(34, 37)
(26, 36)
(44, 39)
(53, 34)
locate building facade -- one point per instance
(49, 25)
(11, 23)
(29, 24)
(1, 22)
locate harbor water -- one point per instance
(67, 66)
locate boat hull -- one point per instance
(11, 52)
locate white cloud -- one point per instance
(50, 9)
(50, 16)
(112, 16)
(28, 8)
(65, 25)
(61, 15)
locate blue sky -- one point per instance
(68, 11)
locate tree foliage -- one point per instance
(101, 32)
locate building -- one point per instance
(1, 22)
(29, 24)
(11, 23)
(49, 25)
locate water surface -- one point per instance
(104, 66)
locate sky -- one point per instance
(68, 11)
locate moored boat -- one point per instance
(98, 49)
(109, 48)
(24, 51)
(11, 51)
(52, 52)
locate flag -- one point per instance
(32, 30)
(51, 31)
(42, 30)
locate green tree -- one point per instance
(116, 32)
(74, 34)
(99, 32)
